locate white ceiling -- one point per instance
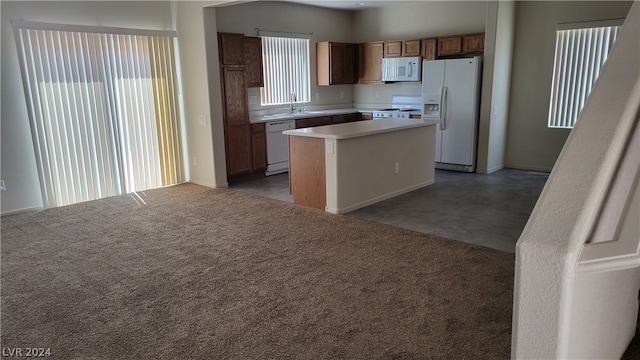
(352, 4)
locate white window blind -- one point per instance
(581, 51)
(286, 70)
(103, 110)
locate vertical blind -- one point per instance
(580, 54)
(286, 70)
(103, 110)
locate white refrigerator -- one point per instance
(451, 94)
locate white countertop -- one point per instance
(359, 128)
(256, 119)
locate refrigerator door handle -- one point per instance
(444, 116)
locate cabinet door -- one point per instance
(338, 119)
(370, 59)
(473, 43)
(352, 117)
(259, 146)
(411, 48)
(451, 45)
(335, 63)
(231, 48)
(253, 62)
(342, 63)
(311, 122)
(236, 122)
(429, 49)
(392, 48)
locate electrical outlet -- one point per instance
(195, 161)
(397, 167)
(203, 119)
(253, 100)
(341, 94)
(317, 96)
(2, 187)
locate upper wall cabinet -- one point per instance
(393, 48)
(411, 47)
(370, 63)
(473, 43)
(429, 48)
(336, 63)
(397, 48)
(254, 75)
(449, 45)
(461, 45)
(231, 48)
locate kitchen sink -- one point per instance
(312, 112)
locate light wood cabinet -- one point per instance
(393, 48)
(473, 43)
(429, 48)
(366, 116)
(411, 47)
(370, 63)
(253, 61)
(336, 63)
(307, 171)
(450, 45)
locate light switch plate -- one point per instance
(203, 119)
(330, 148)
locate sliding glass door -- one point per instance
(103, 109)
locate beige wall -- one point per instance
(206, 166)
(18, 167)
(496, 83)
(530, 144)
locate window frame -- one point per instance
(289, 88)
(581, 50)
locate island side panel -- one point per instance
(307, 177)
(362, 170)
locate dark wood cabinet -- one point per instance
(311, 122)
(473, 43)
(411, 48)
(231, 48)
(429, 48)
(236, 121)
(339, 119)
(259, 146)
(253, 62)
(450, 45)
(370, 63)
(336, 63)
(241, 67)
(353, 117)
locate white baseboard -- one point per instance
(29, 209)
(379, 198)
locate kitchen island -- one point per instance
(343, 167)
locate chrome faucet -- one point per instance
(293, 100)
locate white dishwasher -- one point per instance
(278, 146)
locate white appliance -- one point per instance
(451, 94)
(401, 68)
(278, 146)
(402, 106)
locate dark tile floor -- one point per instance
(488, 210)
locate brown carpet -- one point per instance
(197, 273)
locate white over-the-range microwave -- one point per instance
(402, 68)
